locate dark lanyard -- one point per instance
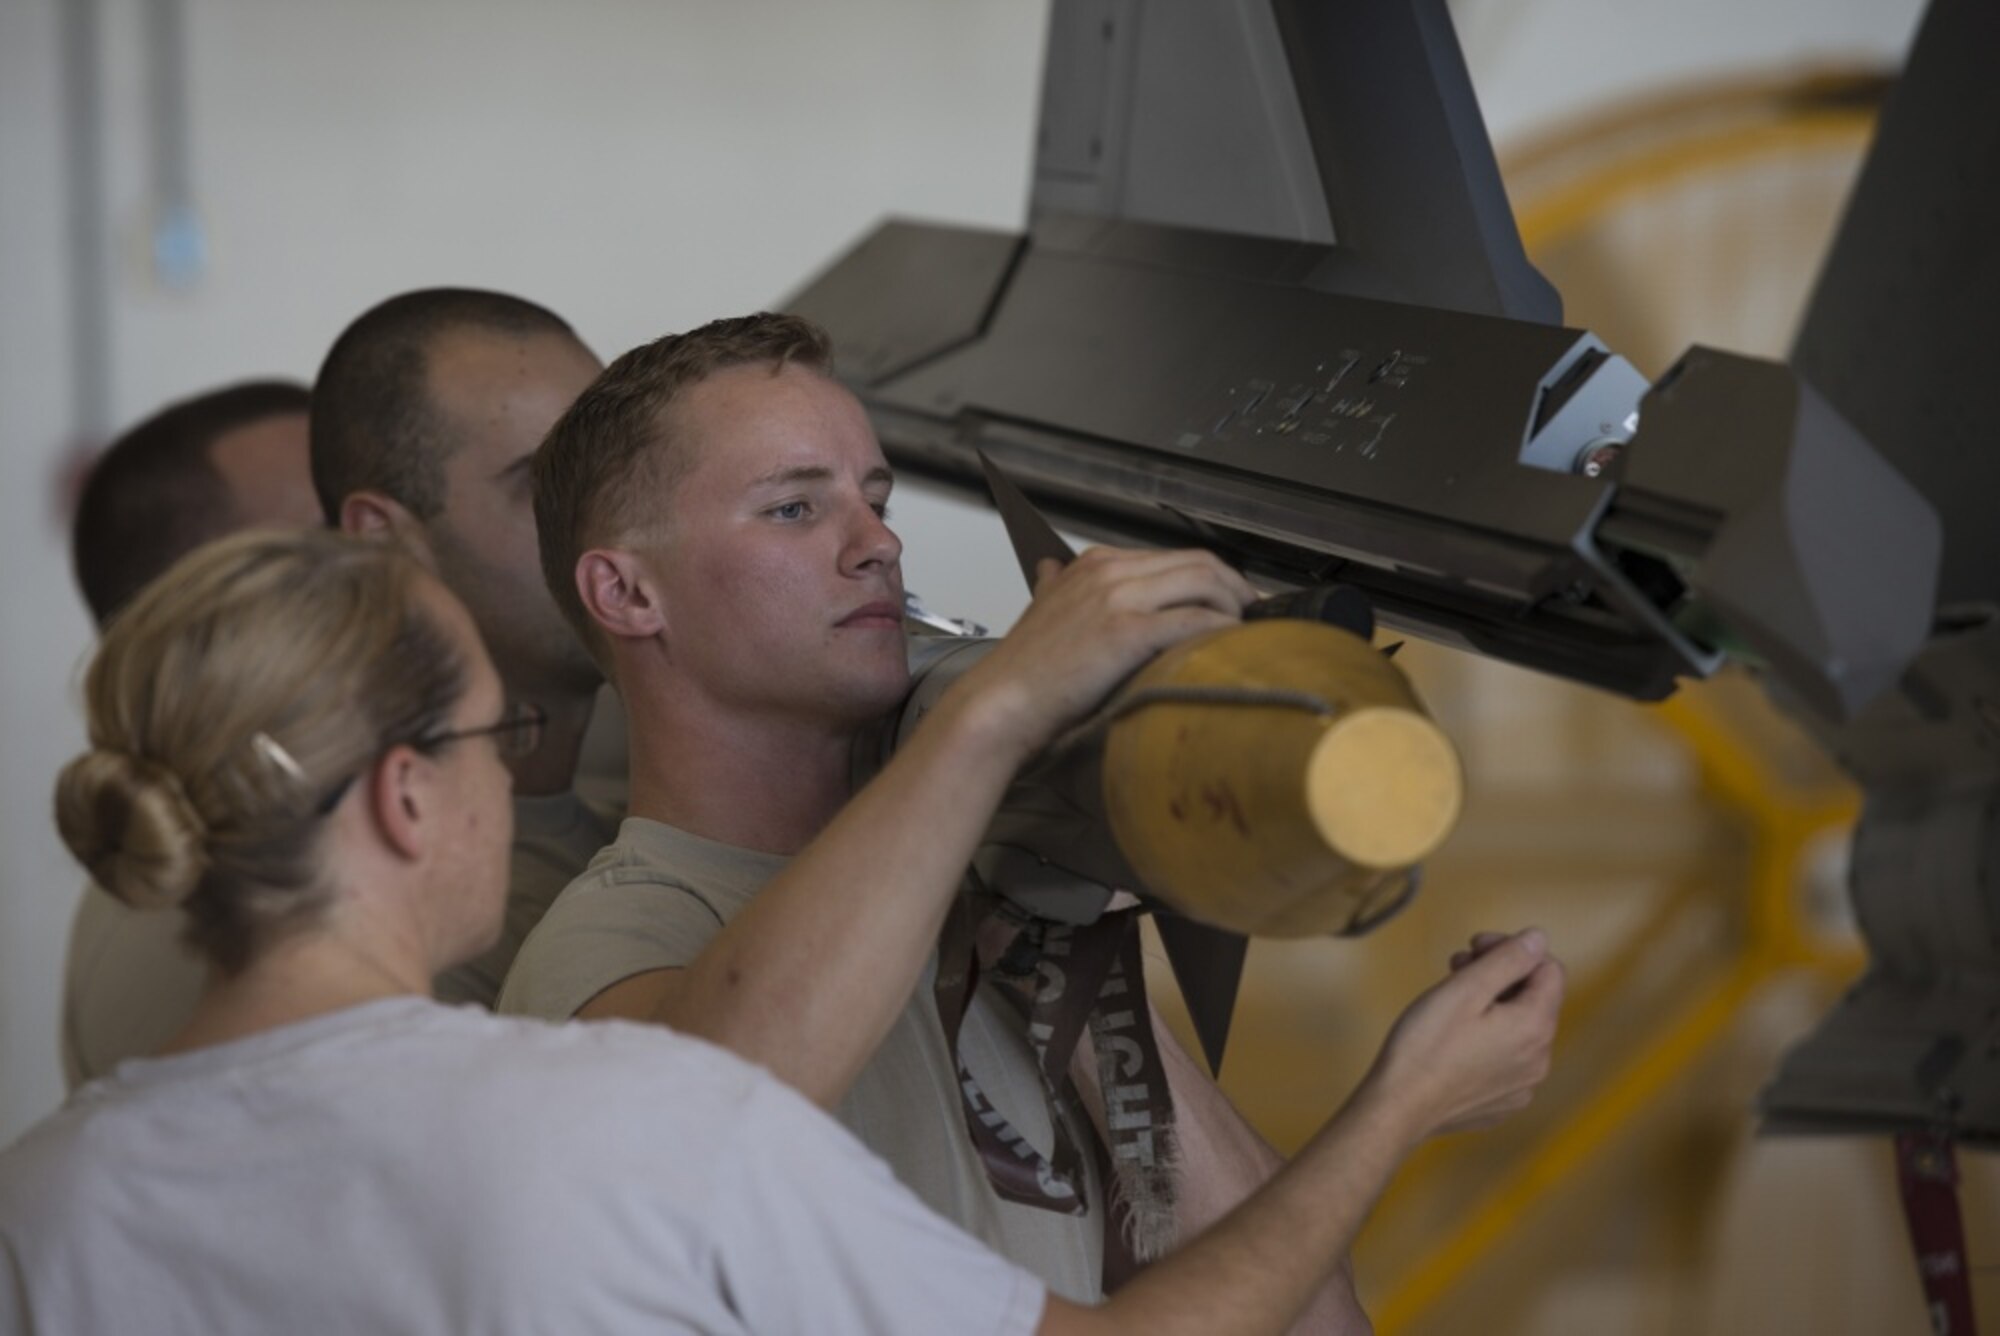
(1927, 1174)
(1084, 977)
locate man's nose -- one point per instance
(872, 543)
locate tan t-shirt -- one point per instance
(130, 985)
(605, 756)
(659, 895)
(555, 837)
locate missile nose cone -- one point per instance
(1278, 778)
(1383, 787)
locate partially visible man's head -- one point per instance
(426, 414)
(718, 494)
(231, 459)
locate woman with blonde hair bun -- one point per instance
(299, 738)
(219, 733)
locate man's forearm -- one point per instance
(808, 979)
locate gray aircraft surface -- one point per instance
(1271, 300)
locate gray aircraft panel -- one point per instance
(1398, 411)
(1903, 329)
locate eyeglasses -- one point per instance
(516, 734)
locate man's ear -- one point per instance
(379, 515)
(399, 800)
(619, 594)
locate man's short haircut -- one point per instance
(374, 426)
(155, 494)
(614, 451)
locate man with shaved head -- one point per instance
(202, 467)
(425, 416)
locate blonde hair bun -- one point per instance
(131, 823)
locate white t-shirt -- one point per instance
(403, 1166)
(659, 895)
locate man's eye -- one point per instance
(790, 510)
(881, 509)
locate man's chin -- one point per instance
(878, 693)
